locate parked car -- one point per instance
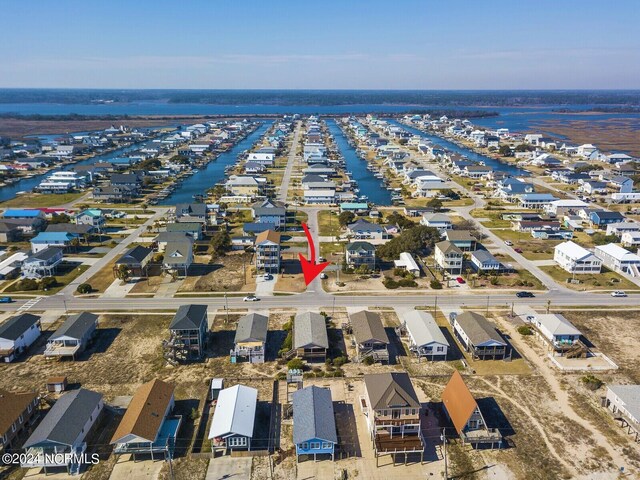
(6, 300)
(517, 250)
(525, 295)
(460, 280)
(268, 276)
(323, 276)
(250, 298)
(618, 293)
(508, 243)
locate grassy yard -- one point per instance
(494, 218)
(328, 223)
(101, 280)
(67, 273)
(36, 200)
(607, 280)
(532, 249)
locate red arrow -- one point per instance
(310, 268)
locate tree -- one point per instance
(397, 218)
(411, 240)
(59, 218)
(84, 288)
(588, 168)
(523, 147)
(505, 150)
(123, 272)
(345, 218)
(48, 282)
(435, 203)
(295, 364)
(220, 242)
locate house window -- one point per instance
(13, 427)
(315, 445)
(20, 418)
(326, 445)
(237, 441)
(304, 446)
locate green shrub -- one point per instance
(368, 361)
(84, 288)
(435, 284)
(525, 330)
(591, 382)
(27, 284)
(295, 364)
(48, 282)
(390, 283)
(339, 361)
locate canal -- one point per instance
(369, 185)
(497, 165)
(200, 182)
(28, 184)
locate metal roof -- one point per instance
(235, 412)
(66, 419)
(423, 328)
(310, 329)
(252, 328)
(313, 415)
(630, 396)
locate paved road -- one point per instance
(315, 298)
(113, 253)
(286, 178)
(314, 287)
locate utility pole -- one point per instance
(488, 304)
(226, 306)
(435, 307)
(333, 313)
(444, 449)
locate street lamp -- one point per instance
(444, 449)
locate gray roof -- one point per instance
(252, 328)
(46, 254)
(81, 229)
(478, 328)
(484, 256)
(189, 317)
(66, 419)
(365, 225)
(134, 255)
(166, 237)
(193, 209)
(313, 415)
(76, 326)
(423, 328)
(310, 329)
(459, 236)
(182, 247)
(17, 325)
(629, 394)
(367, 326)
(390, 390)
(355, 246)
(184, 227)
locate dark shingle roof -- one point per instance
(16, 326)
(66, 419)
(76, 326)
(313, 415)
(252, 327)
(189, 317)
(310, 329)
(135, 255)
(46, 254)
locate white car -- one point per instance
(618, 293)
(250, 298)
(323, 276)
(508, 243)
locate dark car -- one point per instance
(5, 300)
(524, 295)
(517, 250)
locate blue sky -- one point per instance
(359, 44)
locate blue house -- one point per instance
(314, 425)
(45, 240)
(602, 218)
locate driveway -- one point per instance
(127, 469)
(229, 468)
(264, 288)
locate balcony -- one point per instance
(61, 349)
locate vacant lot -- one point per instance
(229, 273)
(607, 280)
